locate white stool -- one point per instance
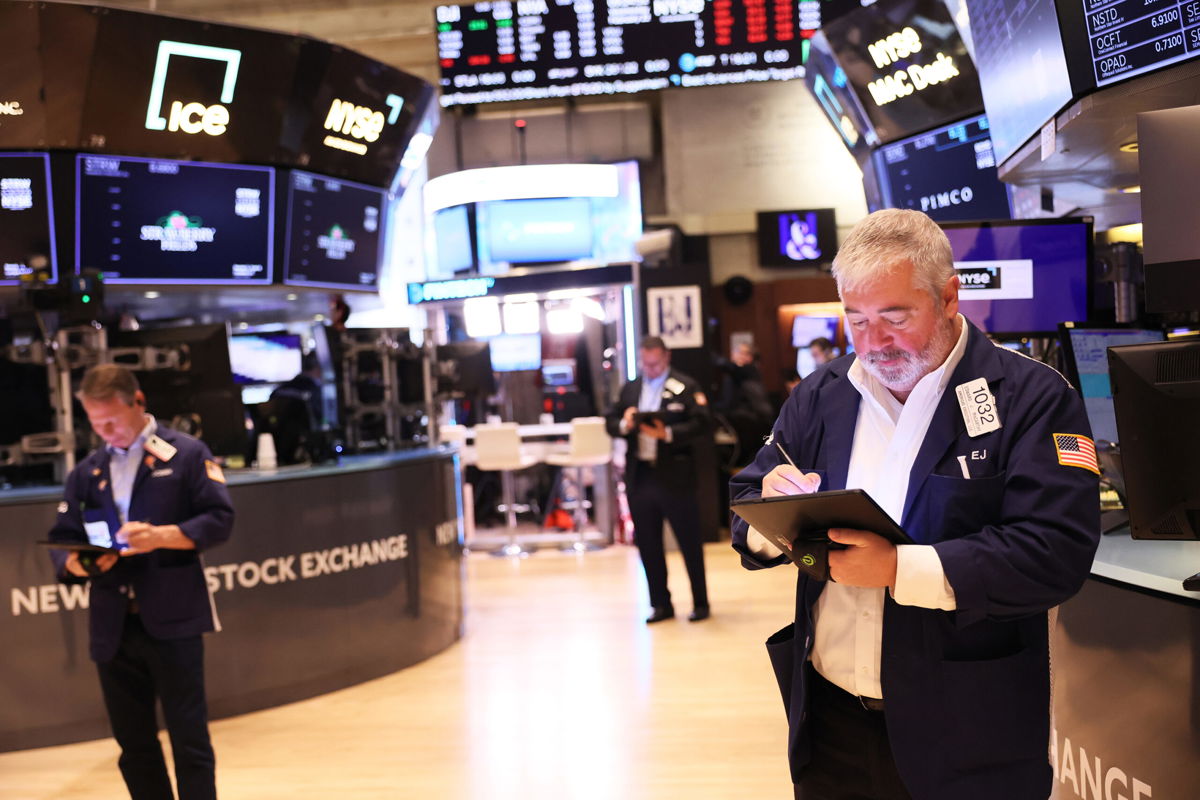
(589, 446)
(498, 449)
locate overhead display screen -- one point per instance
(152, 221)
(907, 64)
(831, 87)
(26, 217)
(1025, 276)
(535, 231)
(265, 357)
(806, 238)
(165, 86)
(22, 113)
(537, 49)
(333, 233)
(359, 122)
(1110, 41)
(948, 173)
(1022, 67)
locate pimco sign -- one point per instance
(189, 116)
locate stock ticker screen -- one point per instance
(537, 49)
(1118, 40)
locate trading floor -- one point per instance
(558, 690)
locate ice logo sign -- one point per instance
(335, 244)
(178, 233)
(190, 116)
(798, 236)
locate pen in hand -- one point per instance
(785, 455)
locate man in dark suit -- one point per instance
(157, 497)
(659, 415)
(922, 670)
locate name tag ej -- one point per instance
(978, 407)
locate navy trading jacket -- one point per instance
(966, 692)
(685, 411)
(172, 595)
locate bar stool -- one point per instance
(589, 446)
(498, 449)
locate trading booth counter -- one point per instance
(334, 575)
(1126, 671)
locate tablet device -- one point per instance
(648, 417)
(79, 547)
(787, 519)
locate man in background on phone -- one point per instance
(659, 415)
(922, 671)
(158, 497)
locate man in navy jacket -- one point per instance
(158, 496)
(922, 670)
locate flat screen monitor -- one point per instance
(495, 52)
(948, 173)
(1111, 42)
(515, 352)
(453, 240)
(26, 217)
(805, 238)
(560, 372)
(1156, 392)
(465, 368)
(334, 232)
(806, 328)
(176, 222)
(830, 86)
(907, 64)
(1023, 277)
(1022, 67)
(535, 231)
(265, 357)
(1086, 361)
(202, 398)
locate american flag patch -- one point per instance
(1076, 451)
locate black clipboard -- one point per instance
(79, 547)
(795, 522)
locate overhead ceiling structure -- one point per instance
(396, 32)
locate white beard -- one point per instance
(905, 375)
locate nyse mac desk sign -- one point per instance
(360, 579)
(907, 65)
(163, 86)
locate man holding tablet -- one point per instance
(922, 670)
(143, 507)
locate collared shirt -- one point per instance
(650, 400)
(123, 466)
(848, 620)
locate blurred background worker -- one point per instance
(660, 414)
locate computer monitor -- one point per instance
(264, 357)
(1085, 362)
(465, 368)
(1156, 392)
(801, 238)
(559, 372)
(201, 398)
(334, 233)
(536, 231)
(1023, 277)
(516, 352)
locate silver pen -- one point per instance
(786, 456)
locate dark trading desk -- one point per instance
(334, 575)
(1126, 673)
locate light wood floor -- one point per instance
(557, 690)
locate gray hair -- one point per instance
(881, 241)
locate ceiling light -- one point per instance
(1130, 190)
(290, 296)
(151, 295)
(1129, 147)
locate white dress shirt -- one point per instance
(123, 466)
(848, 620)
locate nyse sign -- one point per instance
(361, 123)
(903, 82)
(190, 116)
